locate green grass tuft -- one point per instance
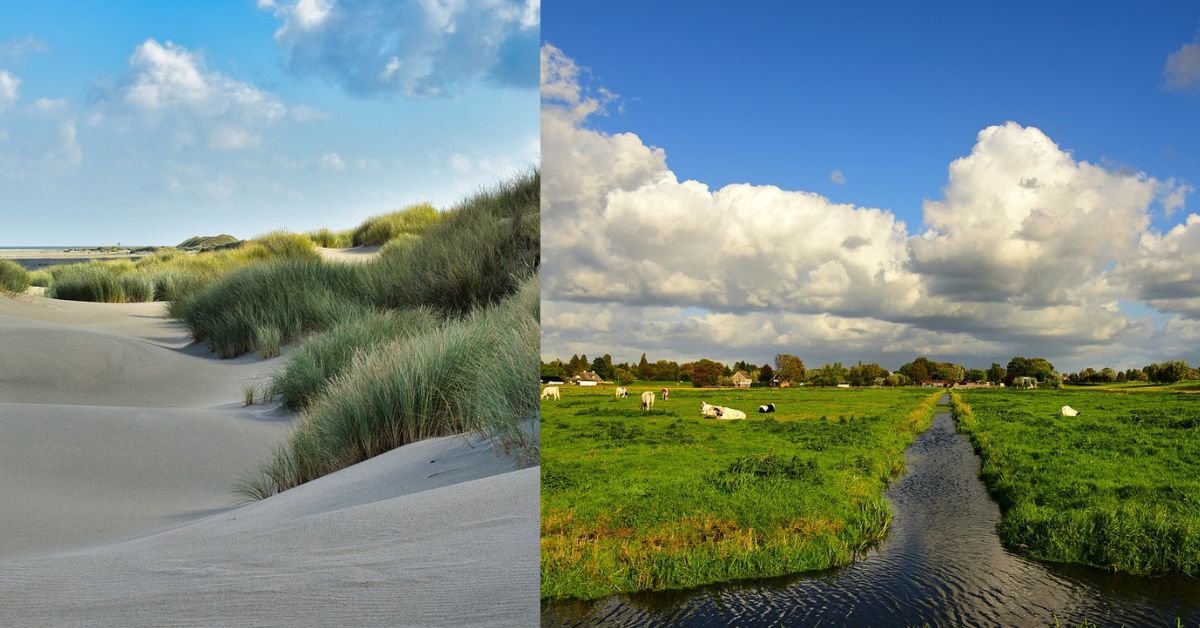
(40, 278)
(13, 277)
(413, 220)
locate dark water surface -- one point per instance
(941, 564)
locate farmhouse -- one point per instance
(741, 379)
(587, 378)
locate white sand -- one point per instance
(119, 445)
(356, 254)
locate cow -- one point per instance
(622, 392)
(551, 392)
(770, 407)
(666, 394)
(647, 401)
(1069, 411)
(721, 412)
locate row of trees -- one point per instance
(1157, 373)
(791, 368)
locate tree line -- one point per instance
(790, 368)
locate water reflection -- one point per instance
(941, 564)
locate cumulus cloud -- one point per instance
(332, 161)
(1027, 250)
(412, 47)
(837, 177)
(10, 90)
(1182, 71)
(169, 82)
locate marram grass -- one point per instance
(473, 374)
(13, 277)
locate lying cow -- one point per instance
(1069, 411)
(647, 401)
(770, 407)
(666, 394)
(721, 412)
(622, 392)
(551, 392)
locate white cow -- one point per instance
(721, 412)
(551, 392)
(1069, 411)
(647, 400)
(622, 392)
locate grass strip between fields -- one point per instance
(1117, 487)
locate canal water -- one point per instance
(942, 564)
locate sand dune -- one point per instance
(356, 254)
(119, 445)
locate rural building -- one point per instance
(587, 378)
(741, 379)
(776, 381)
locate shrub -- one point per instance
(377, 230)
(13, 276)
(471, 374)
(324, 357)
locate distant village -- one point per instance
(789, 370)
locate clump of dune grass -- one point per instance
(477, 255)
(322, 358)
(137, 288)
(249, 392)
(92, 281)
(332, 239)
(292, 297)
(40, 278)
(377, 230)
(471, 374)
(286, 244)
(13, 277)
(267, 338)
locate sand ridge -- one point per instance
(119, 445)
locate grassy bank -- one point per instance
(1117, 487)
(381, 365)
(667, 499)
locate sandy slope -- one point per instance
(356, 254)
(119, 444)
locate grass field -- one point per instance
(1116, 487)
(668, 499)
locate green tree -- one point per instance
(643, 368)
(766, 374)
(706, 373)
(600, 368)
(789, 367)
(996, 373)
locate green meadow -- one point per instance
(1117, 487)
(668, 499)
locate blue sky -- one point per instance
(147, 123)
(872, 181)
(784, 93)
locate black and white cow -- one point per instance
(770, 407)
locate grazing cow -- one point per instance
(647, 400)
(551, 392)
(666, 394)
(770, 407)
(1069, 411)
(622, 392)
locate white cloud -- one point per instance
(304, 113)
(837, 177)
(17, 49)
(332, 161)
(459, 163)
(50, 105)
(171, 86)
(1183, 68)
(415, 47)
(1027, 250)
(10, 90)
